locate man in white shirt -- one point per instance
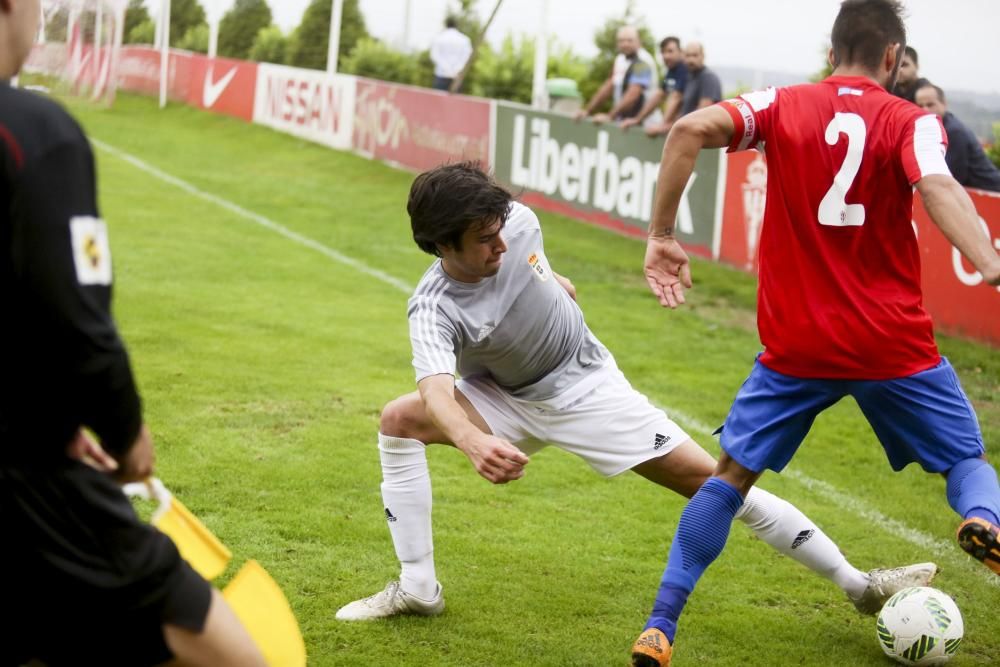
(450, 50)
(506, 364)
(632, 79)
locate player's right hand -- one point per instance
(627, 123)
(579, 115)
(667, 270)
(137, 464)
(85, 449)
(495, 459)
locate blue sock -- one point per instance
(701, 535)
(973, 490)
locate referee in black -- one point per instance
(84, 581)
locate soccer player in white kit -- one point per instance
(492, 312)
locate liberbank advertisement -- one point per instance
(598, 173)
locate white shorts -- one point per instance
(613, 427)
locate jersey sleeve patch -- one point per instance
(744, 123)
(929, 147)
(91, 250)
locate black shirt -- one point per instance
(966, 158)
(64, 365)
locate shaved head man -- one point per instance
(632, 80)
(703, 86)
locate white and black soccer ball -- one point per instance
(920, 626)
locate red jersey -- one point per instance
(839, 287)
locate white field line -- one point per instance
(942, 549)
(254, 217)
(846, 502)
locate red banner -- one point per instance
(954, 293)
(223, 85)
(419, 128)
(139, 72)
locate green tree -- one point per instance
(465, 15)
(607, 48)
(135, 15)
(144, 33)
(184, 15)
(377, 60)
(195, 39)
(312, 38)
(507, 73)
(270, 46)
(56, 26)
(827, 68)
(994, 151)
(240, 26)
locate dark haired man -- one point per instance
(492, 310)
(671, 89)
(966, 158)
(908, 79)
(85, 582)
(839, 292)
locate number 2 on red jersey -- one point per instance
(834, 209)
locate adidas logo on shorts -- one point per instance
(660, 440)
(388, 515)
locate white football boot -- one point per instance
(883, 584)
(392, 601)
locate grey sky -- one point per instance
(957, 40)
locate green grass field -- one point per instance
(264, 365)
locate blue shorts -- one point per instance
(924, 418)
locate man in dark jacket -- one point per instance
(965, 157)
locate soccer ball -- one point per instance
(920, 626)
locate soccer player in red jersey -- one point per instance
(840, 309)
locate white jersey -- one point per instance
(449, 52)
(518, 327)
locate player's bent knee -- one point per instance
(223, 642)
(404, 417)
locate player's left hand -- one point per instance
(600, 118)
(85, 449)
(567, 285)
(667, 270)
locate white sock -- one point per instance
(406, 494)
(784, 527)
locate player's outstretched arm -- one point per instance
(951, 209)
(494, 458)
(666, 266)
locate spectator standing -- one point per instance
(671, 89)
(450, 50)
(909, 80)
(631, 79)
(965, 157)
(703, 87)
